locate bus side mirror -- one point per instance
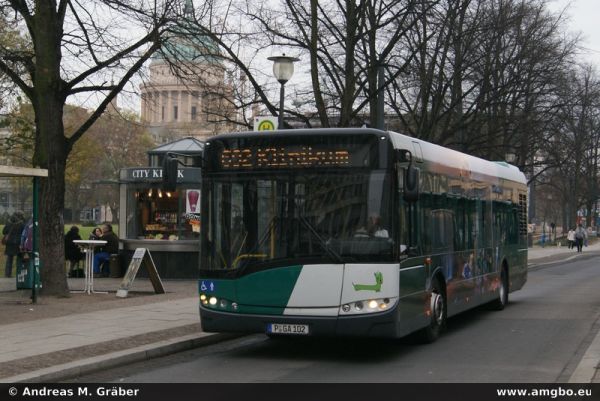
(403, 156)
(411, 184)
(169, 173)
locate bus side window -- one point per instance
(459, 224)
(442, 228)
(513, 232)
(425, 223)
(470, 224)
(498, 231)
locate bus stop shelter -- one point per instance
(35, 174)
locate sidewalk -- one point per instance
(542, 255)
(60, 338)
(57, 339)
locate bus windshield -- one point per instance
(262, 220)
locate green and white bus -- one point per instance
(354, 232)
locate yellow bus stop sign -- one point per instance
(265, 123)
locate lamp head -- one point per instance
(283, 67)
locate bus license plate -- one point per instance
(278, 328)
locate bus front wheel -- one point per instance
(438, 312)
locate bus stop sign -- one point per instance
(262, 123)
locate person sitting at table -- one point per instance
(73, 253)
(111, 247)
(95, 234)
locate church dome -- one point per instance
(179, 48)
(185, 44)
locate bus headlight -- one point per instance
(220, 303)
(367, 306)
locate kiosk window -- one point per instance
(160, 215)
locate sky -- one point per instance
(583, 18)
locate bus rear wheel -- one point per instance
(438, 314)
(502, 300)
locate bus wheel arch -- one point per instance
(438, 310)
(502, 300)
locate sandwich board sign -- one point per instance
(140, 256)
(264, 123)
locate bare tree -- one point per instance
(484, 76)
(572, 152)
(77, 48)
(345, 43)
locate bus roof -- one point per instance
(476, 168)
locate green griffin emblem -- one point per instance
(370, 287)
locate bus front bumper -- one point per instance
(382, 324)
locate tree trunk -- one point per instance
(347, 98)
(51, 148)
(52, 224)
(314, 64)
(52, 155)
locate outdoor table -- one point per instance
(88, 247)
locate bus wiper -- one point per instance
(336, 256)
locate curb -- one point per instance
(564, 257)
(554, 259)
(586, 369)
(89, 365)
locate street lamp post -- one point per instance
(283, 69)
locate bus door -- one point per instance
(413, 274)
(480, 261)
(462, 291)
(485, 267)
(442, 240)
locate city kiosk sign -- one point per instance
(154, 174)
(151, 173)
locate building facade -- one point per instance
(188, 93)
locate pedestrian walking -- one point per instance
(571, 238)
(580, 236)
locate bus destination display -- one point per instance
(283, 157)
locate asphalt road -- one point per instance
(540, 337)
